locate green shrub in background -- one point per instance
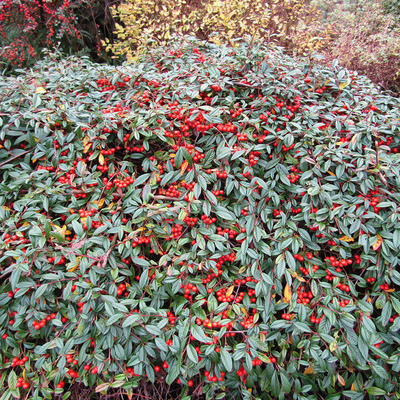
(209, 222)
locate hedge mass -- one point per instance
(222, 221)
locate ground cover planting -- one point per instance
(209, 222)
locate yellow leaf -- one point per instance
(6, 208)
(63, 231)
(346, 239)
(331, 173)
(353, 387)
(76, 266)
(184, 165)
(40, 90)
(242, 269)
(343, 85)
(309, 370)
(154, 177)
(86, 140)
(101, 159)
(333, 346)
(244, 311)
(262, 337)
(378, 243)
(87, 148)
(287, 294)
(230, 290)
(295, 275)
(182, 215)
(99, 203)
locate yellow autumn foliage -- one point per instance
(144, 23)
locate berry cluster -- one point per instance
(140, 240)
(122, 290)
(16, 361)
(22, 383)
(214, 378)
(230, 232)
(123, 183)
(71, 360)
(42, 323)
(190, 221)
(304, 297)
(208, 220)
(188, 289)
(84, 213)
(172, 191)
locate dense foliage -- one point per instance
(364, 36)
(147, 23)
(27, 26)
(223, 222)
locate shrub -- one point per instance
(145, 23)
(209, 222)
(366, 38)
(29, 25)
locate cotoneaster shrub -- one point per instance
(206, 223)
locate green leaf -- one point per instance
(131, 320)
(376, 391)
(226, 359)
(199, 334)
(192, 354)
(12, 380)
